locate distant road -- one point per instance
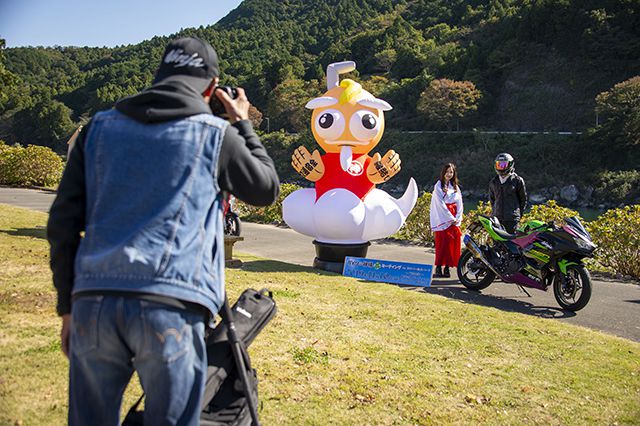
(482, 132)
(614, 307)
(491, 132)
(33, 199)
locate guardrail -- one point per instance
(481, 132)
(490, 132)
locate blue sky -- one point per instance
(102, 23)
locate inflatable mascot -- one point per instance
(345, 208)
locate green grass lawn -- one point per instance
(346, 352)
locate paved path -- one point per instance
(614, 307)
(33, 199)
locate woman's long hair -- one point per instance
(454, 179)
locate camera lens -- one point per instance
(217, 108)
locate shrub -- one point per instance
(550, 211)
(5, 151)
(618, 186)
(33, 165)
(417, 227)
(269, 214)
(617, 234)
(480, 236)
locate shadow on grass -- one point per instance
(405, 243)
(276, 266)
(449, 289)
(40, 232)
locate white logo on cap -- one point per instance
(181, 59)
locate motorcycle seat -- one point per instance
(499, 229)
(504, 234)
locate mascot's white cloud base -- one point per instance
(340, 217)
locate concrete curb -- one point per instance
(39, 188)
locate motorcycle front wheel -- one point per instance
(232, 224)
(472, 273)
(573, 290)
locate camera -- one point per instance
(216, 106)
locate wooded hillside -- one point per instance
(538, 64)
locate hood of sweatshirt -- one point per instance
(165, 101)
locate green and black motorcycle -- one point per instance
(540, 255)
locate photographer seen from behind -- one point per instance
(144, 183)
(507, 193)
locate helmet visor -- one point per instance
(502, 165)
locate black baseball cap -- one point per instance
(190, 60)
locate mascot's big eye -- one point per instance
(369, 121)
(325, 121)
(364, 125)
(329, 124)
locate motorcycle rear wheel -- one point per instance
(472, 273)
(573, 290)
(232, 224)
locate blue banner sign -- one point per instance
(415, 274)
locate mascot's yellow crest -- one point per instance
(351, 91)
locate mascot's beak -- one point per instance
(345, 157)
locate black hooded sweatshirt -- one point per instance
(244, 170)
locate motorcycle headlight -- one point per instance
(585, 245)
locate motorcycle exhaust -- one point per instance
(477, 253)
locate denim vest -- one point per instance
(154, 217)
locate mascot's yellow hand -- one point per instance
(384, 168)
(310, 166)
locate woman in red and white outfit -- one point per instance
(446, 217)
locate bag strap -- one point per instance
(241, 359)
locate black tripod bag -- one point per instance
(231, 390)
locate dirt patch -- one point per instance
(27, 301)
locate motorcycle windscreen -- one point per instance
(575, 223)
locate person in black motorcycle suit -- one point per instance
(507, 193)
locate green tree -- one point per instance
(447, 100)
(286, 104)
(377, 85)
(620, 107)
(385, 59)
(54, 124)
(618, 186)
(10, 84)
(255, 116)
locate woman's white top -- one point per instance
(440, 216)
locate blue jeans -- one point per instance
(112, 336)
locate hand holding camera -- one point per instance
(230, 103)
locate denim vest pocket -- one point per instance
(168, 332)
(85, 313)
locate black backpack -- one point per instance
(231, 390)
